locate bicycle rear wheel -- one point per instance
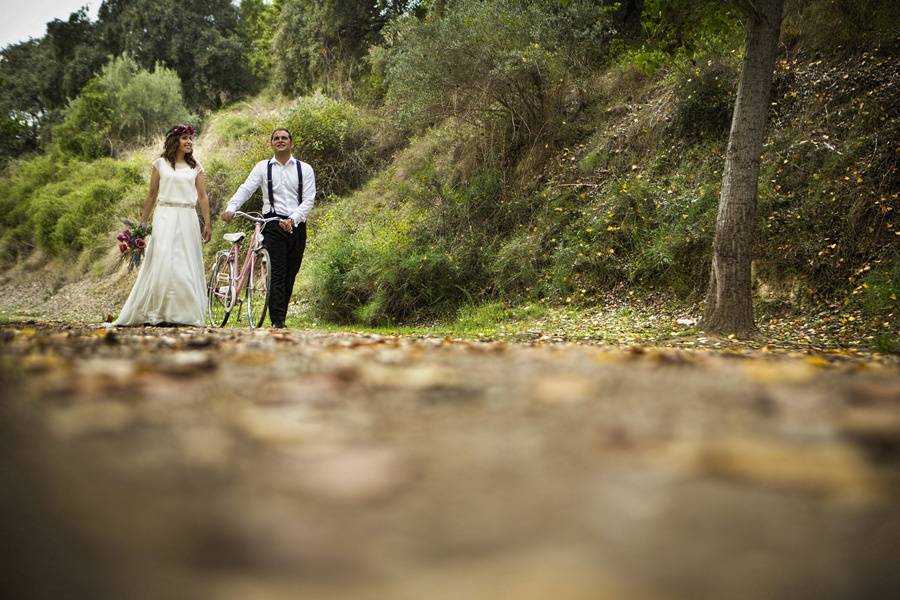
(258, 289)
(221, 292)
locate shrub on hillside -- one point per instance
(842, 25)
(65, 206)
(880, 288)
(321, 42)
(75, 212)
(337, 138)
(407, 247)
(123, 106)
(514, 269)
(334, 136)
(87, 126)
(506, 65)
(684, 32)
(385, 272)
(704, 102)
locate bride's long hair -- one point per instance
(170, 146)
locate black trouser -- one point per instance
(286, 254)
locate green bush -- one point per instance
(704, 102)
(685, 31)
(321, 43)
(145, 103)
(389, 260)
(123, 106)
(842, 25)
(232, 126)
(336, 138)
(65, 206)
(88, 123)
(879, 289)
(515, 267)
(507, 65)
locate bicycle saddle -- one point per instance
(234, 237)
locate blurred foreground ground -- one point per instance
(176, 463)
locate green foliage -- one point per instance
(37, 78)
(321, 43)
(145, 103)
(76, 56)
(336, 138)
(515, 266)
(201, 42)
(15, 137)
(24, 101)
(684, 33)
(478, 319)
(506, 65)
(887, 342)
(233, 126)
(691, 28)
(704, 101)
(879, 289)
(258, 21)
(842, 25)
(124, 105)
(88, 123)
(405, 246)
(382, 274)
(65, 206)
(646, 60)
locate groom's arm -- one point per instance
(309, 196)
(251, 184)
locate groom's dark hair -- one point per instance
(277, 129)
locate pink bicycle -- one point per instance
(226, 283)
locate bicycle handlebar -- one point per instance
(256, 219)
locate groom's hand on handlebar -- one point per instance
(227, 216)
(287, 225)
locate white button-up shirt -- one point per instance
(284, 189)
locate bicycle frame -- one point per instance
(241, 272)
(240, 279)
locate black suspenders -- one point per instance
(269, 184)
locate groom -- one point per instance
(289, 191)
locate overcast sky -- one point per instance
(23, 19)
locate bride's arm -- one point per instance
(203, 199)
(151, 196)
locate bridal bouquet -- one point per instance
(132, 242)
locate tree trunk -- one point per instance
(729, 307)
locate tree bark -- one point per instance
(729, 307)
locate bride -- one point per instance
(170, 286)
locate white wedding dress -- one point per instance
(170, 285)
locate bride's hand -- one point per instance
(207, 233)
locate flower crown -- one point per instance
(181, 130)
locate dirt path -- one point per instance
(166, 463)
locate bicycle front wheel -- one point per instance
(221, 292)
(258, 288)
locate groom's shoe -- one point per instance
(278, 325)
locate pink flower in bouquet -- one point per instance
(132, 242)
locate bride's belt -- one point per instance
(174, 204)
